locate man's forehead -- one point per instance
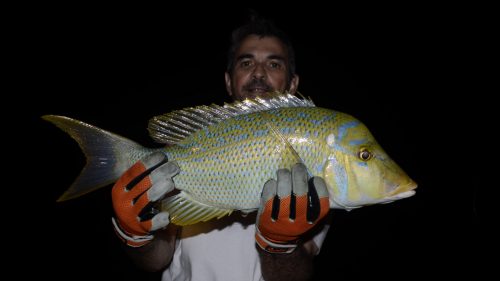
(269, 46)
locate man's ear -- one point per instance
(228, 83)
(294, 84)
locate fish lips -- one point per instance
(403, 188)
(400, 192)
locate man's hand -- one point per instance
(134, 196)
(289, 207)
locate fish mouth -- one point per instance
(402, 190)
(402, 195)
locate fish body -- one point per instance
(226, 154)
(227, 164)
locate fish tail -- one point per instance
(108, 155)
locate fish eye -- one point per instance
(364, 154)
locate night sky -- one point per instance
(116, 70)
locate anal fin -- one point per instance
(185, 210)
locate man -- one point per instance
(260, 60)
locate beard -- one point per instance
(257, 86)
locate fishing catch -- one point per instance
(227, 153)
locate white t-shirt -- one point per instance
(220, 250)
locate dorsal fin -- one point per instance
(175, 126)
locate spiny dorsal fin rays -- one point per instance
(173, 127)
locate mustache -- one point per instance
(257, 84)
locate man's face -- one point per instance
(261, 66)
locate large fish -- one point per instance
(227, 153)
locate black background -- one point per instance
(399, 73)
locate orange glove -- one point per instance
(134, 196)
(289, 208)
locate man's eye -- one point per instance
(275, 65)
(245, 63)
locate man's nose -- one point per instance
(259, 72)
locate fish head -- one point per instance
(358, 172)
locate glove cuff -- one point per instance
(273, 247)
(129, 239)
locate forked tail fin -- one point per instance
(108, 155)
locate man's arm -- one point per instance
(291, 207)
(297, 265)
(148, 237)
(156, 255)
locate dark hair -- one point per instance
(262, 28)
